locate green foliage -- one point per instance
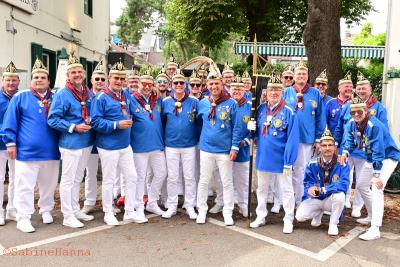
(366, 38)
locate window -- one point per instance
(88, 7)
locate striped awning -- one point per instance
(298, 50)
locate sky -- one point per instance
(377, 18)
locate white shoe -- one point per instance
(47, 217)
(2, 222)
(116, 210)
(72, 222)
(347, 205)
(169, 213)
(244, 211)
(316, 221)
(83, 216)
(216, 209)
(276, 208)
(259, 221)
(11, 215)
(24, 225)
(154, 208)
(327, 213)
(228, 220)
(371, 234)
(192, 214)
(356, 214)
(87, 208)
(287, 228)
(131, 216)
(333, 229)
(109, 219)
(201, 218)
(364, 221)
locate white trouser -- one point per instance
(11, 179)
(156, 160)
(119, 185)
(187, 157)
(74, 162)
(274, 190)
(197, 165)
(363, 185)
(91, 179)
(303, 156)
(208, 161)
(181, 180)
(286, 191)
(111, 161)
(378, 198)
(356, 165)
(312, 207)
(27, 174)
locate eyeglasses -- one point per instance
(145, 84)
(322, 84)
(162, 81)
(98, 79)
(198, 85)
(119, 79)
(288, 77)
(354, 112)
(180, 83)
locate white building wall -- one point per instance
(45, 26)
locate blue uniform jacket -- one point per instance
(66, 112)
(4, 101)
(223, 135)
(25, 125)
(278, 148)
(244, 113)
(312, 120)
(338, 179)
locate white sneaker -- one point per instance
(228, 220)
(24, 225)
(109, 219)
(333, 229)
(201, 218)
(169, 213)
(11, 215)
(259, 221)
(154, 208)
(276, 208)
(371, 234)
(327, 213)
(131, 216)
(316, 221)
(244, 211)
(356, 214)
(87, 208)
(216, 209)
(364, 221)
(192, 214)
(47, 217)
(2, 222)
(72, 222)
(83, 217)
(287, 228)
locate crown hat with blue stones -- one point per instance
(38, 66)
(327, 135)
(11, 70)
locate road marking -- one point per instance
(322, 255)
(66, 236)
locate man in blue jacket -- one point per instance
(373, 138)
(69, 114)
(321, 83)
(278, 139)
(307, 102)
(111, 119)
(10, 82)
(326, 182)
(219, 144)
(179, 112)
(34, 145)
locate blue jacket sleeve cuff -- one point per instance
(71, 128)
(11, 144)
(235, 148)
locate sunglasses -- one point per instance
(98, 79)
(354, 112)
(198, 85)
(119, 79)
(180, 83)
(145, 84)
(318, 84)
(288, 77)
(162, 81)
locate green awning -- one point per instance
(298, 50)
